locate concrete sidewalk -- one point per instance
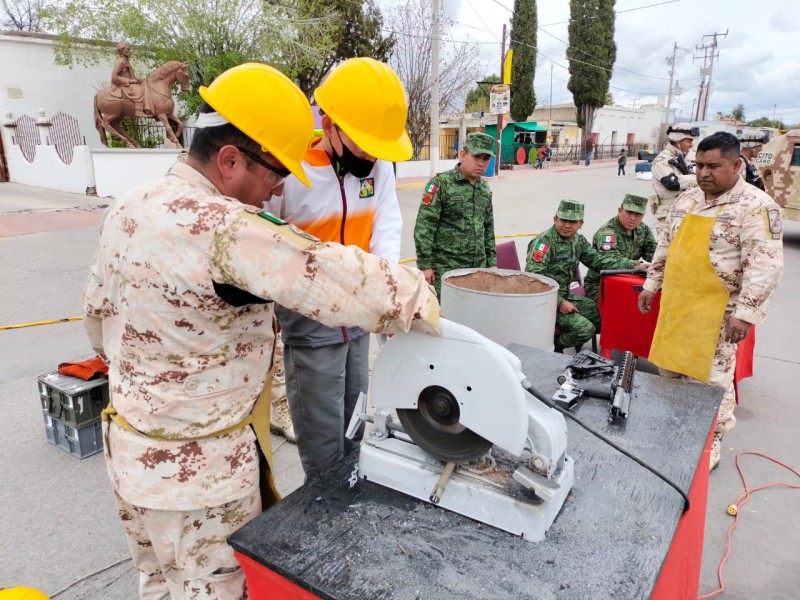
(58, 526)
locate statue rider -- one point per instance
(125, 84)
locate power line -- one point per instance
(621, 11)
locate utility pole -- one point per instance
(706, 71)
(550, 118)
(434, 140)
(499, 117)
(671, 63)
(703, 73)
(711, 67)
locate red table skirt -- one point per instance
(679, 578)
(626, 329)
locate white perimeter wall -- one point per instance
(421, 168)
(47, 170)
(30, 80)
(118, 170)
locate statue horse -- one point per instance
(109, 109)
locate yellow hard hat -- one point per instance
(267, 107)
(366, 99)
(22, 593)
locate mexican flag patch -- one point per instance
(430, 190)
(539, 250)
(608, 239)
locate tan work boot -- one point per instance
(716, 447)
(280, 419)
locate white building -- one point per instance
(31, 81)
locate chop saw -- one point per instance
(466, 435)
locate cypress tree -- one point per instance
(523, 43)
(591, 53)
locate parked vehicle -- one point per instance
(779, 163)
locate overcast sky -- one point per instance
(758, 65)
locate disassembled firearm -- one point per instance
(588, 364)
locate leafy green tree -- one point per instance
(523, 66)
(767, 122)
(357, 29)
(478, 97)
(591, 54)
(212, 35)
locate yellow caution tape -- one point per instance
(35, 323)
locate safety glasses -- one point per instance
(281, 174)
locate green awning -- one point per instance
(532, 126)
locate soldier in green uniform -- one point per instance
(455, 223)
(556, 253)
(624, 236)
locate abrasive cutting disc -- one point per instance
(434, 426)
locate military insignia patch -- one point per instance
(608, 239)
(303, 234)
(367, 189)
(605, 247)
(430, 190)
(271, 218)
(774, 222)
(539, 250)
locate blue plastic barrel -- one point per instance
(490, 168)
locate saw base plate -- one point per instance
(488, 495)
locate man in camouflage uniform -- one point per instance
(746, 260)
(179, 301)
(455, 222)
(671, 174)
(556, 254)
(625, 235)
(751, 144)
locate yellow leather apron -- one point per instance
(693, 302)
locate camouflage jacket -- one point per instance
(746, 246)
(175, 301)
(669, 174)
(455, 224)
(553, 256)
(612, 239)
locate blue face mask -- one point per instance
(348, 162)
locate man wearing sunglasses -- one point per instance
(352, 201)
(671, 175)
(179, 302)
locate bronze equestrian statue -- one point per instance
(129, 96)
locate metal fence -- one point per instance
(572, 153)
(448, 147)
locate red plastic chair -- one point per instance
(507, 257)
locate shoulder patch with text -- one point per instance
(367, 187)
(539, 250)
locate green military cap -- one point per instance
(569, 210)
(637, 204)
(479, 143)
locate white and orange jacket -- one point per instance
(353, 211)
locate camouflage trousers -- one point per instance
(577, 328)
(183, 555)
(723, 367)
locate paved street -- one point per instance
(58, 526)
